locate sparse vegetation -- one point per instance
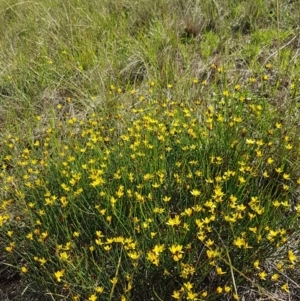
(150, 150)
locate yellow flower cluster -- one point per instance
(181, 193)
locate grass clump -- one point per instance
(185, 201)
(160, 159)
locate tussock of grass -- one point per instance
(160, 159)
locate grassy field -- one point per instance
(149, 150)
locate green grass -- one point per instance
(150, 151)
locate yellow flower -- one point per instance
(237, 87)
(175, 249)
(268, 65)
(119, 239)
(63, 256)
(279, 266)
(59, 274)
(42, 261)
(239, 242)
(275, 277)
(158, 248)
(219, 289)
(220, 271)
(29, 236)
(265, 174)
(107, 248)
(212, 254)
(24, 270)
(93, 297)
(133, 255)
(256, 264)
(99, 289)
(153, 258)
(285, 287)
(174, 221)
(195, 192)
(276, 203)
(76, 234)
(263, 275)
(286, 176)
(192, 296)
(11, 247)
(209, 243)
(188, 285)
(250, 141)
(158, 210)
(167, 199)
(292, 257)
(176, 294)
(201, 236)
(227, 289)
(113, 201)
(99, 234)
(114, 280)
